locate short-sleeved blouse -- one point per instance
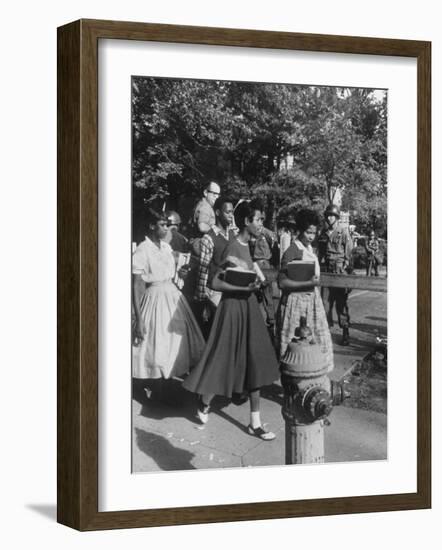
(152, 263)
(239, 250)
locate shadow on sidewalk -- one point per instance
(161, 450)
(357, 346)
(274, 393)
(372, 329)
(168, 399)
(383, 319)
(218, 404)
(172, 401)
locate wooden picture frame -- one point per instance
(77, 460)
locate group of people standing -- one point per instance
(223, 338)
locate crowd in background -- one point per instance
(219, 336)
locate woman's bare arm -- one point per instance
(138, 288)
(221, 286)
(285, 283)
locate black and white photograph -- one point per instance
(224, 215)
(259, 274)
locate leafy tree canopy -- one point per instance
(290, 145)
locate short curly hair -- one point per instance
(305, 218)
(245, 211)
(151, 216)
(221, 201)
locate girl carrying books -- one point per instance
(300, 295)
(239, 356)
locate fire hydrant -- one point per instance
(309, 396)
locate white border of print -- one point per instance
(119, 489)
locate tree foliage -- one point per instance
(290, 145)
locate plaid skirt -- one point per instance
(295, 305)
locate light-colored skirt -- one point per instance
(173, 343)
(295, 305)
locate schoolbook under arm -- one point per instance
(181, 258)
(300, 270)
(239, 277)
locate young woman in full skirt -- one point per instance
(239, 356)
(168, 340)
(303, 298)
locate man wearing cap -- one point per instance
(334, 253)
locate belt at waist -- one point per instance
(160, 283)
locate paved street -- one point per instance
(168, 436)
(368, 317)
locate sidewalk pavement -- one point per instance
(167, 435)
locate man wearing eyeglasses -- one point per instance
(202, 221)
(204, 215)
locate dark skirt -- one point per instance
(239, 355)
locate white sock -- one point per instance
(255, 419)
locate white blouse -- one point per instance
(152, 263)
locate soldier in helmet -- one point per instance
(177, 241)
(334, 252)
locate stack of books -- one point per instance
(301, 270)
(181, 259)
(239, 277)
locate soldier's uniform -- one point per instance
(261, 252)
(334, 253)
(373, 258)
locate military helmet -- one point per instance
(173, 218)
(332, 210)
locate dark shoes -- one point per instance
(261, 433)
(345, 337)
(203, 411)
(240, 398)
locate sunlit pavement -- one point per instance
(168, 435)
